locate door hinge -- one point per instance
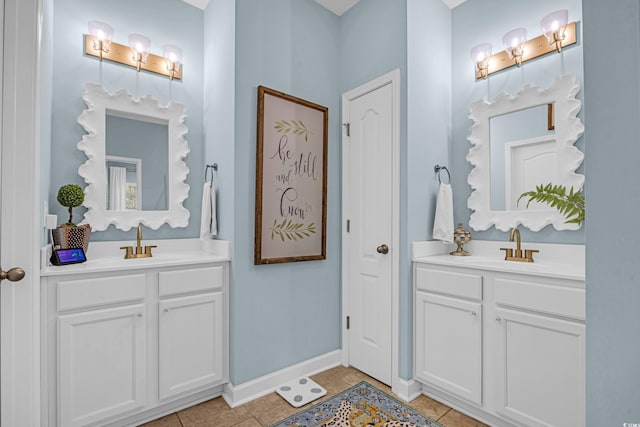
(348, 225)
(348, 322)
(348, 128)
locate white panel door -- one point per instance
(448, 339)
(101, 358)
(529, 163)
(20, 213)
(370, 214)
(541, 369)
(191, 343)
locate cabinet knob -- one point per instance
(472, 313)
(139, 314)
(498, 319)
(166, 310)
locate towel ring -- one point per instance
(438, 169)
(213, 168)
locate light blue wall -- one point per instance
(613, 202)
(479, 21)
(428, 139)
(219, 106)
(163, 21)
(283, 314)
(373, 42)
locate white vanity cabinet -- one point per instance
(190, 330)
(505, 347)
(448, 349)
(125, 346)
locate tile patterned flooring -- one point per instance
(271, 408)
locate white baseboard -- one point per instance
(408, 390)
(236, 395)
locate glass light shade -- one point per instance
(100, 31)
(514, 41)
(141, 45)
(555, 22)
(172, 54)
(480, 52)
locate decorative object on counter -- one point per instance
(571, 204)
(460, 238)
(443, 220)
(516, 254)
(291, 179)
(139, 253)
(69, 235)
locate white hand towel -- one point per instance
(208, 222)
(443, 222)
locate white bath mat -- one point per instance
(301, 391)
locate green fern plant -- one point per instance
(570, 204)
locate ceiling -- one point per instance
(336, 6)
(341, 6)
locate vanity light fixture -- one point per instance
(514, 42)
(564, 36)
(173, 57)
(98, 43)
(101, 35)
(140, 47)
(553, 26)
(480, 56)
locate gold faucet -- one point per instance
(139, 253)
(510, 255)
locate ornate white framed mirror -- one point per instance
(519, 142)
(135, 173)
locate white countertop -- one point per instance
(554, 260)
(107, 256)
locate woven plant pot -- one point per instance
(72, 237)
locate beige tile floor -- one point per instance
(271, 408)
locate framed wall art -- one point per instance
(291, 179)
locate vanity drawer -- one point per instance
(542, 297)
(85, 293)
(465, 285)
(196, 280)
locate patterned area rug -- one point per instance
(362, 405)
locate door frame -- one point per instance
(20, 318)
(392, 78)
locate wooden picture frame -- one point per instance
(291, 179)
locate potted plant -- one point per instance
(69, 235)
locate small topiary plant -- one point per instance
(70, 196)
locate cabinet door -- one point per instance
(101, 364)
(541, 369)
(448, 346)
(191, 343)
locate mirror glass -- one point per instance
(519, 142)
(140, 143)
(523, 155)
(135, 172)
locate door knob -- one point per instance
(13, 275)
(383, 249)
